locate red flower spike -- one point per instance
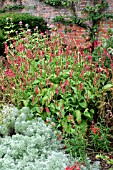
(6, 48)
(33, 99)
(82, 72)
(67, 64)
(87, 97)
(59, 52)
(95, 80)
(36, 90)
(40, 72)
(50, 60)
(47, 109)
(63, 89)
(89, 58)
(71, 74)
(57, 91)
(9, 73)
(66, 83)
(22, 88)
(81, 86)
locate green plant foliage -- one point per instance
(25, 18)
(11, 8)
(99, 137)
(93, 15)
(53, 81)
(70, 20)
(77, 143)
(106, 158)
(57, 2)
(2, 39)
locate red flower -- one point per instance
(67, 64)
(6, 48)
(9, 73)
(62, 87)
(36, 90)
(90, 58)
(33, 99)
(47, 109)
(95, 130)
(82, 72)
(101, 138)
(59, 52)
(70, 117)
(57, 90)
(66, 83)
(71, 74)
(50, 60)
(81, 86)
(87, 97)
(96, 43)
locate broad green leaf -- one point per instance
(78, 116)
(44, 99)
(92, 111)
(87, 114)
(25, 102)
(44, 91)
(83, 104)
(107, 86)
(74, 89)
(36, 100)
(36, 82)
(52, 107)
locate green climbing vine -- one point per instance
(94, 14)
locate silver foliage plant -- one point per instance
(33, 145)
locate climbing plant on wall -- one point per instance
(94, 14)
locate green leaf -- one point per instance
(83, 127)
(44, 99)
(36, 82)
(87, 114)
(52, 108)
(83, 104)
(25, 102)
(92, 111)
(78, 116)
(107, 86)
(36, 100)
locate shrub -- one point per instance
(25, 18)
(9, 8)
(34, 146)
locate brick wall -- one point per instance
(48, 13)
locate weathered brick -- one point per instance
(49, 13)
